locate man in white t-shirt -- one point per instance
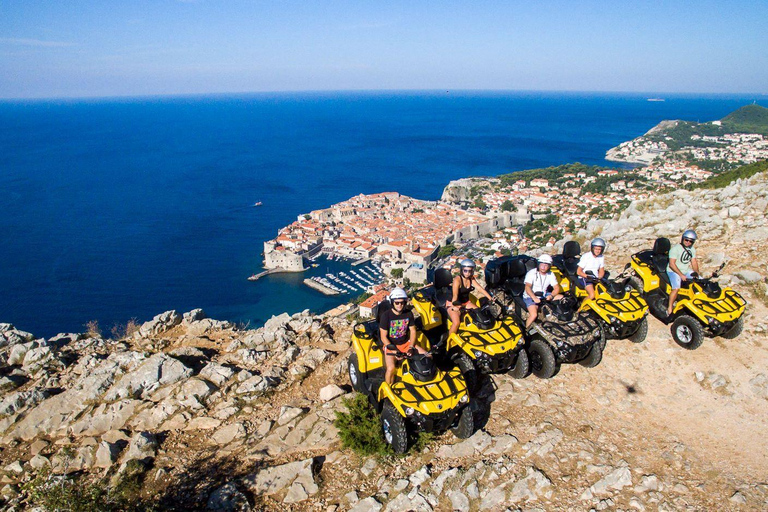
(592, 261)
(540, 284)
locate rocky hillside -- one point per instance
(220, 418)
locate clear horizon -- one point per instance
(197, 47)
(756, 96)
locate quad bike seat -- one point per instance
(515, 283)
(569, 262)
(372, 326)
(660, 258)
(442, 284)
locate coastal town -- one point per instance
(484, 218)
(730, 148)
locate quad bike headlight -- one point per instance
(409, 411)
(464, 399)
(477, 353)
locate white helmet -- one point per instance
(598, 242)
(545, 258)
(467, 263)
(397, 293)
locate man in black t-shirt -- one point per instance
(397, 327)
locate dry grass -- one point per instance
(92, 329)
(123, 331)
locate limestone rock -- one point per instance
(156, 371)
(159, 324)
(229, 433)
(216, 373)
(543, 443)
(143, 445)
(759, 385)
(615, 480)
(203, 423)
(106, 454)
(530, 487)
(330, 392)
(369, 504)
(277, 478)
(9, 335)
(288, 414)
(39, 462)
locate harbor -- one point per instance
(353, 280)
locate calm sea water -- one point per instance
(114, 209)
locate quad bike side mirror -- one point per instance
(719, 269)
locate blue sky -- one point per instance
(114, 48)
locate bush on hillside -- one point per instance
(360, 428)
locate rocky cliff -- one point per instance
(222, 418)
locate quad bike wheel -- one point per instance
(393, 426)
(468, 370)
(641, 332)
(687, 332)
(356, 377)
(595, 355)
(735, 330)
(522, 366)
(542, 359)
(466, 425)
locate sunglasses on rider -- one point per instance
(688, 240)
(467, 270)
(400, 302)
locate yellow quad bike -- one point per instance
(561, 333)
(488, 340)
(422, 397)
(702, 307)
(622, 312)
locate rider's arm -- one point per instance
(580, 272)
(383, 336)
(695, 265)
(482, 290)
(455, 289)
(412, 336)
(601, 272)
(556, 289)
(676, 270)
(529, 291)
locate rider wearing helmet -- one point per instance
(463, 285)
(397, 327)
(540, 284)
(682, 261)
(592, 261)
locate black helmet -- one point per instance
(422, 367)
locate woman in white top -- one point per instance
(592, 261)
(540, 284)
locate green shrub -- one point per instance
(728, 177)
(78, 494)
(360, 428)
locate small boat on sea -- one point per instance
(257, 203)
(656, 99)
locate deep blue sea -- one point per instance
(121, 208)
